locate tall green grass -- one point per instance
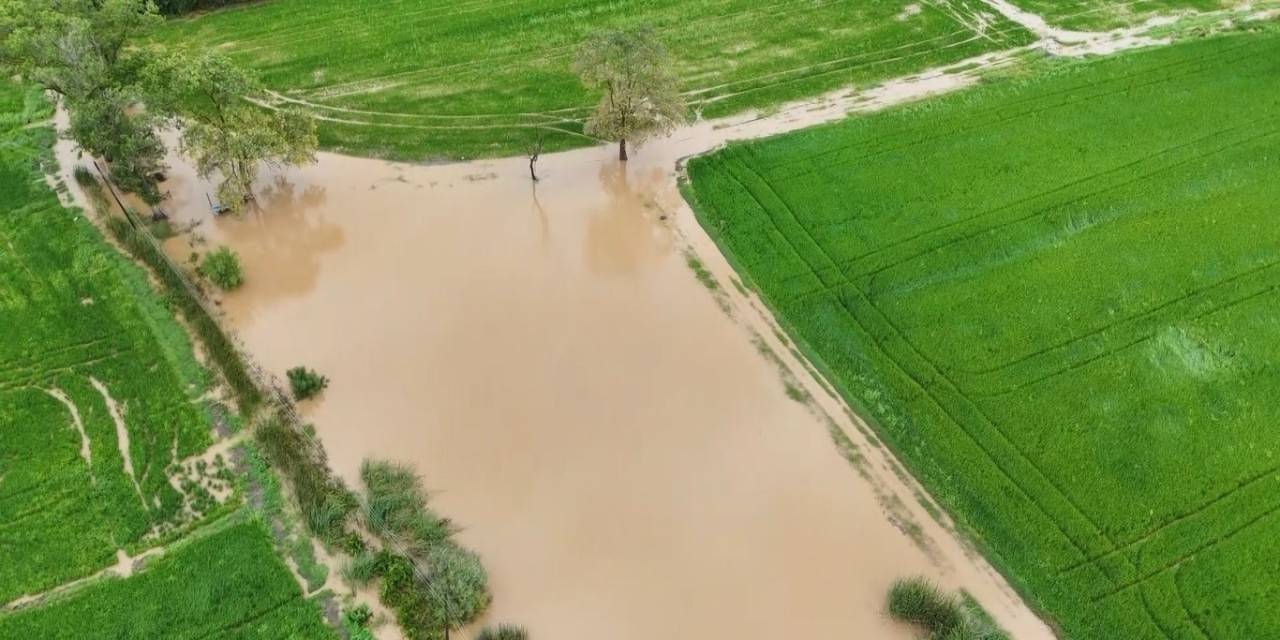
(325, 502)
(1053, 297)
(920, 602)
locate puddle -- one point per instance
(610, 439)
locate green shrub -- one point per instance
(401, 593)
(305, 382)
(361, 569)
(222, 267)
(503, 632)
(359, 615)
(437, 584)
(458, 585)
(918, 601)
(355, 621)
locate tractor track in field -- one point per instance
(1051, 40)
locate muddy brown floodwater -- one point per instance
(609, 438)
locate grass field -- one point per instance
(1096, 15)
(229, 584)
(416, 79)
(96, 382)
(1056, 298)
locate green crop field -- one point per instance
(229, 584)
(1110, 14)
(416, 79)
(1057, 300)
(80, 331)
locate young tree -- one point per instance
(641, 95)
(223, 130)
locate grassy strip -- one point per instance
(217, 344)
(326, 503)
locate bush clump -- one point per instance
(222, 267)
(945, 617)
(430, 582)
(306, 383)
(503, 632)
(918, 601)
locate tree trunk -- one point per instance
(622, 149)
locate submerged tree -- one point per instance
(641, 94)
(226, 129)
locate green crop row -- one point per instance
(1054, 297)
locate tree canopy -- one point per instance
(226, 130)
(120, 92)
(641, 96)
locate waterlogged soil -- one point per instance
(602, 426)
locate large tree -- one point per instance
(225, 128)
(641, 94)
(82, 50)
(76, 48)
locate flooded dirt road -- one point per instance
(609, 437)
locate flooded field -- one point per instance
(603, 427)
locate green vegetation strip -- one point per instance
(228, 584)
(416, 80)
(221, 350)
(1055, 297)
